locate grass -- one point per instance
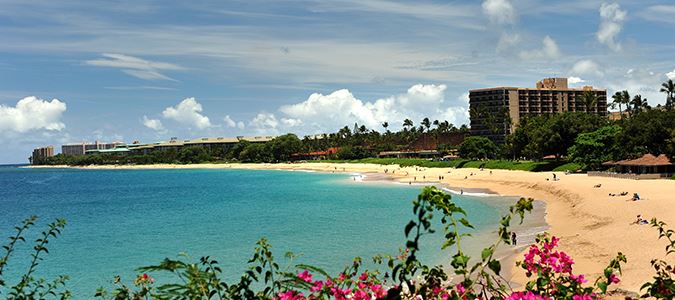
(531, 166)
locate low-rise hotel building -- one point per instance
(82, 148)
(497, 111)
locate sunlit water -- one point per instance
(119, 220)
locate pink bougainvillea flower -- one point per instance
(306, 276)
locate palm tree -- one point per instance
(639, 104)
(385, 125)
(426, 123)
(590, 99)
(625, 99)
(618, 100)
(668, 87)
(407, 123)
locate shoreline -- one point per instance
(592, 226)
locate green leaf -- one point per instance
(495, 266)
(409, 227)
(487, 252)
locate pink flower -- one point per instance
(582, 297)
(579, 279)
(613, 279)
(526, 296)
(318, 285)
(290, 295)
(306, 276)
(363, 276)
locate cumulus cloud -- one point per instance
(32, 113)
(265, 123)
(500, 11)
(586, 67)
(134, 66)
(548, 50)
(574, 80)
(188, 112)
(321, 113)
(671, 75)
(153, 124)
(233, 124)
(612, 19)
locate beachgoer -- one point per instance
(513, 238)
(461, 191)
(554, 177)
(636, 196)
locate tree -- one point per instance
(625, 100)
(593, 148)
(590, 100)
(638, 104)
(385, 125)
(426, 123)
(282, 147)
(478, 147)
(617, 100)
(407, 123)
(668, 88)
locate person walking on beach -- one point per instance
(513, 238)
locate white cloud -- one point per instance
(574, 80)
(265, 123)
(671, 75)
(291, 122)
(153, 124)
(233, 124)
(612, 22)
(500, 11)
(134, 66)
(321, 113)
(586, 67)
(507, 41)
(548, 50)
(188, 112)
(32, 113)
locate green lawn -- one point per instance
(463, 163)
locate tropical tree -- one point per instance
(407, 123)
(625, 100)
(426, 123)
(668, 88)
(478, 147)
(590, 99)
(638, 104)
(385, 125)
(617, 100)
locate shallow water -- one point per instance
(119, 220)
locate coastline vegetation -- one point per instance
(549, 271)
(566, 141)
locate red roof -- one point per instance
(646, 160)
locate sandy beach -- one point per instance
(592, 225)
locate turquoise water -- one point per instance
(119, 220)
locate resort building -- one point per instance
(82, 148)
(646, 167)
(213, 143)
(40, 155)
(495, 112)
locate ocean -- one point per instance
(119, 220)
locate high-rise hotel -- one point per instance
(492, 107)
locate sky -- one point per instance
(127, 70)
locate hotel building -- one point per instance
(40, 155)
(497, 111)
(82, 148)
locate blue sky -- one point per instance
(151, 70)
